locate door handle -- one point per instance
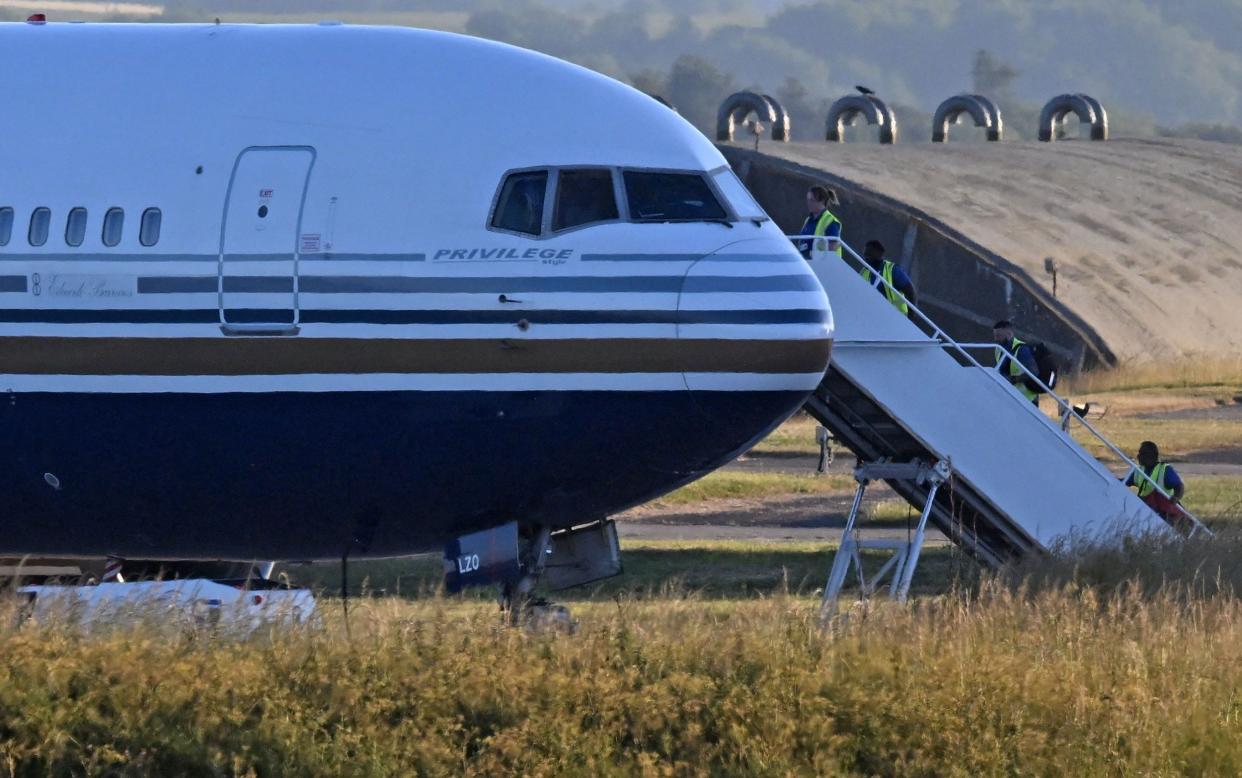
(270, 330)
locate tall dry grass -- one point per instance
(1201, 371)
(1075, 673)
(1203, 567)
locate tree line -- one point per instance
(1160, 66)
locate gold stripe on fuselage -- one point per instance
(286, 356)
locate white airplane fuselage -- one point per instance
(264, 293)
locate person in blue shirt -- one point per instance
(1164, 475)
(820, 223)
(1010, 352)
(899, 289)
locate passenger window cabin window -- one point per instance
(113, 226)
(6, 225)
(520, 205)
(671, 197)
(40, 224)
(583, 197)
(149, 229)
(75, 227)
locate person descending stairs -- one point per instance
(897, 287)
(820, 223)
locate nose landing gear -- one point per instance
(518, 557)
(516, 601)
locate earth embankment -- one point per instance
(1144, 233)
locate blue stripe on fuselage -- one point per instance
(346, 316)
(465, 284)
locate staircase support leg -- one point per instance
(891, 566)
(902, 590)
(847, 553)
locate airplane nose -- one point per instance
(755, 329)
(753, 317)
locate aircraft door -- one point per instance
(259, 240)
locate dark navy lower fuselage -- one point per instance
(318, 475)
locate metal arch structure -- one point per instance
(737, 106)
(951, 110)
(998, 121)
(1099, 129)
(780, 126)
(845, 111)
(1055, 111)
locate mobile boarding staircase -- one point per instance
(952, 437)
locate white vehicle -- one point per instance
(237, 609)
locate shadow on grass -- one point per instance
(649, 572)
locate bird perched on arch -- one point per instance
(864, 90)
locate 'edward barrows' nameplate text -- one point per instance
(82, 287)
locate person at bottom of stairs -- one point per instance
(1161, 473)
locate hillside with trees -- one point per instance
(1154, 63)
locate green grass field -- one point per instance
(732, 484)
(794, 436)
(706, 569)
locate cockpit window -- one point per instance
(584, 197)
(520, 206)
(738, 195)
(671, 197)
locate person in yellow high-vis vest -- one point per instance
(1166, 477)
(820, 223)
(897, 288)
(1010, 352)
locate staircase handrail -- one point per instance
(1066, 408)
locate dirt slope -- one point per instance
(1147, 233)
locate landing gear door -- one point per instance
(258, 286)
(481, 558)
